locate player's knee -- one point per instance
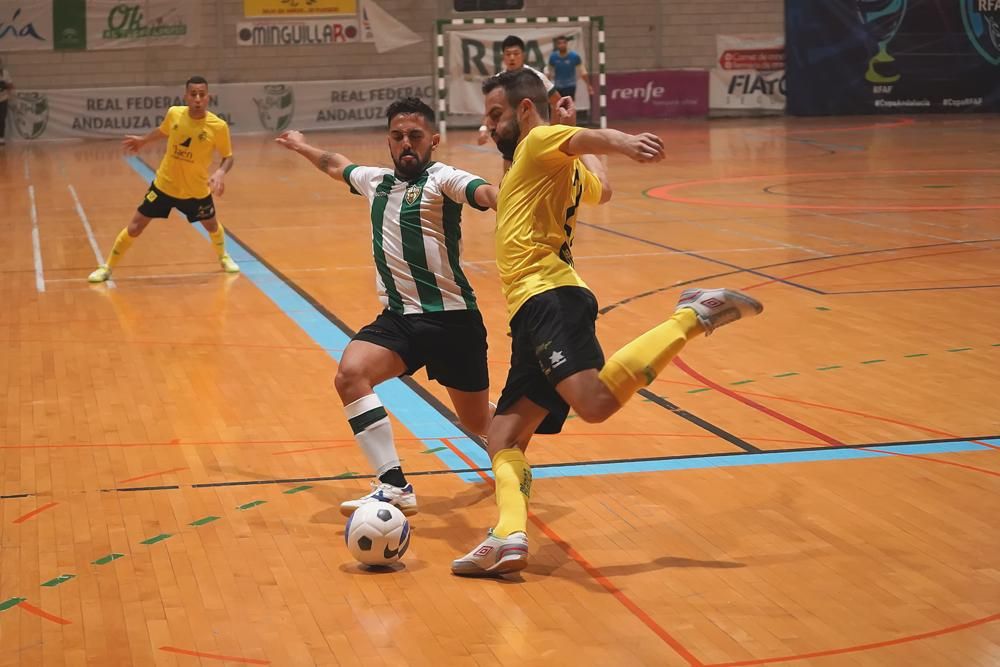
(350, 382)
(596, 409)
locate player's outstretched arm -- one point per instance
(133, 142)
(332, 164)
(643, 147)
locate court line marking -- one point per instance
(148, 475)
(90, 232)
(36, 245)
(640, 614)
(34, 512)
(422, 414)
(861, 647)
(41, 613)
(214, 656)
(666, 192)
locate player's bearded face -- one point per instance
(411, 143)
(507, 134)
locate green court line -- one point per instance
(698, 391)
(911, 356)
(52, 583)
(822, 308)
(202, 521)
(784, 375)
(107, 559)
(13, 602)
(346, 475)
(959, 349)
(828, 368)
(298, 489)
(872, 361)
(251, 504)
(431, 451)
(741, 382)
(157, 538)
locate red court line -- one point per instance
(867, 415)
(595, 573)
(861, 647)
(664, 192)
(755, 405)
(39, 510)
(41, 613)
(865, 263)
(214, 656)
(152, 474)
(830, 440)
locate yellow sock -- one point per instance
(639, 362)
(219, 240)
(121, 246)
(513, 480)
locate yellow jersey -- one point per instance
(536, 215)
(183, 172)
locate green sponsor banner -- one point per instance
(69, 24)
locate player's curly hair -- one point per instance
(409, 105)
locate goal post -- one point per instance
(468, 50)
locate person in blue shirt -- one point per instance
(566, 67)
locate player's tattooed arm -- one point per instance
(328, 162)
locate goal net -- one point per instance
(469, 50)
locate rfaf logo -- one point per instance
(276, 108)
(982, 25)
(31, 114)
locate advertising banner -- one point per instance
(142, 23)
(750, 73)
(658, 94)
(293, 8)
(26, 25)
(303, 32)
(894, 56)
(478, 54)
(247, 107)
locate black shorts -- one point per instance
(157, 204)
(568, 91)
(552, 338)
(451, 344)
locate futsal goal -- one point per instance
(468, 50)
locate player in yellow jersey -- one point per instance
(194, 133)
(556, 360)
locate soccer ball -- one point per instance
(377, 534)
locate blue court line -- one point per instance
(416, 414)
(737, 459)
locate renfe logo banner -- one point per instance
(894, 56)
(663, 94)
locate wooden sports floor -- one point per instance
(817, 486)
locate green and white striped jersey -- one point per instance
(417, 236)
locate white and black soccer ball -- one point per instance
(377, 534)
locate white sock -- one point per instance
(373, 432)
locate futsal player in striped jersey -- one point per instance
(430, 317)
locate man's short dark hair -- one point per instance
(195, 80)
(409, 105)
(562, 38)
(512, 41)
(519, 85)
